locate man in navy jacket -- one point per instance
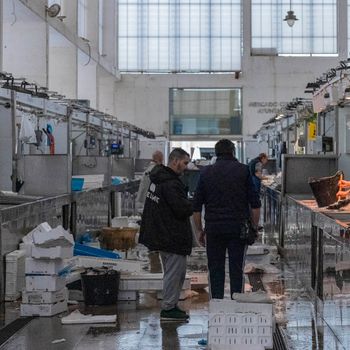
(227, 192)
(166, 228)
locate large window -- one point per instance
(205, 112)
(179, 35)
(315, 32)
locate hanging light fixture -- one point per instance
(290, 17)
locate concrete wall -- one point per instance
(24, 42)
(265, 80)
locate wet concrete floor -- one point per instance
(304, 325)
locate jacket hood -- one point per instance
(161, 173)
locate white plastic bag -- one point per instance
(27, 133)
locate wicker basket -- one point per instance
(120, 238)
(325, 188)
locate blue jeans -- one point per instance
(257, 184)
(217, 245)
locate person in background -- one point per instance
(165, 227)
(157, 158)
(255, 168)
(227, 192)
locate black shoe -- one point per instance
(172, 315)
(183, 312)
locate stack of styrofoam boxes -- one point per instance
(45, 293)
(240, 325)
(14, 275)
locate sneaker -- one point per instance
(183, 312)
(173, 315)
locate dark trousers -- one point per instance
(217, 245)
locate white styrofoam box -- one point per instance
(265, 319)
(198, 280)
(43, 297)
(92, 181)
(239, 325)
(217, 319)
(257, 250)
(44, 282)
(52, 253)
(266, 342)
(27, 247)
(265, 331)
(127, 295)
(12, 292)
(233, 319)
(249, 331)
(43, 309)
(14, 261)
(42, 228)
(15, 276)
(116, 264)
(217, 331)
(249, 319)
(120, 221)
(147, 282)
(261, 259)
(56, 237)
(43, 266)
(232, 330)
(232, 306)
(184, 294)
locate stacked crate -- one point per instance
(240, 325)
(45, 293)
(14, 275)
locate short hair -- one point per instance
(157, 157)
(177, 153)
(262, 155)
(224, 147)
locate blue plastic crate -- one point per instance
(77, 183)
(81, 249)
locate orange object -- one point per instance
(344, 188)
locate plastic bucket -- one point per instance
(100, 286)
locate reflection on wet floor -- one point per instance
(304, 324)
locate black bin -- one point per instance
(100, 286)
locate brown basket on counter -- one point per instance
(119, 238)
(325, 189)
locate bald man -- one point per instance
(157, 158)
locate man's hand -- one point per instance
(202, 240)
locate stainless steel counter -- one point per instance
(79, 211)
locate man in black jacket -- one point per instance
(166, 228)
(227, 192)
